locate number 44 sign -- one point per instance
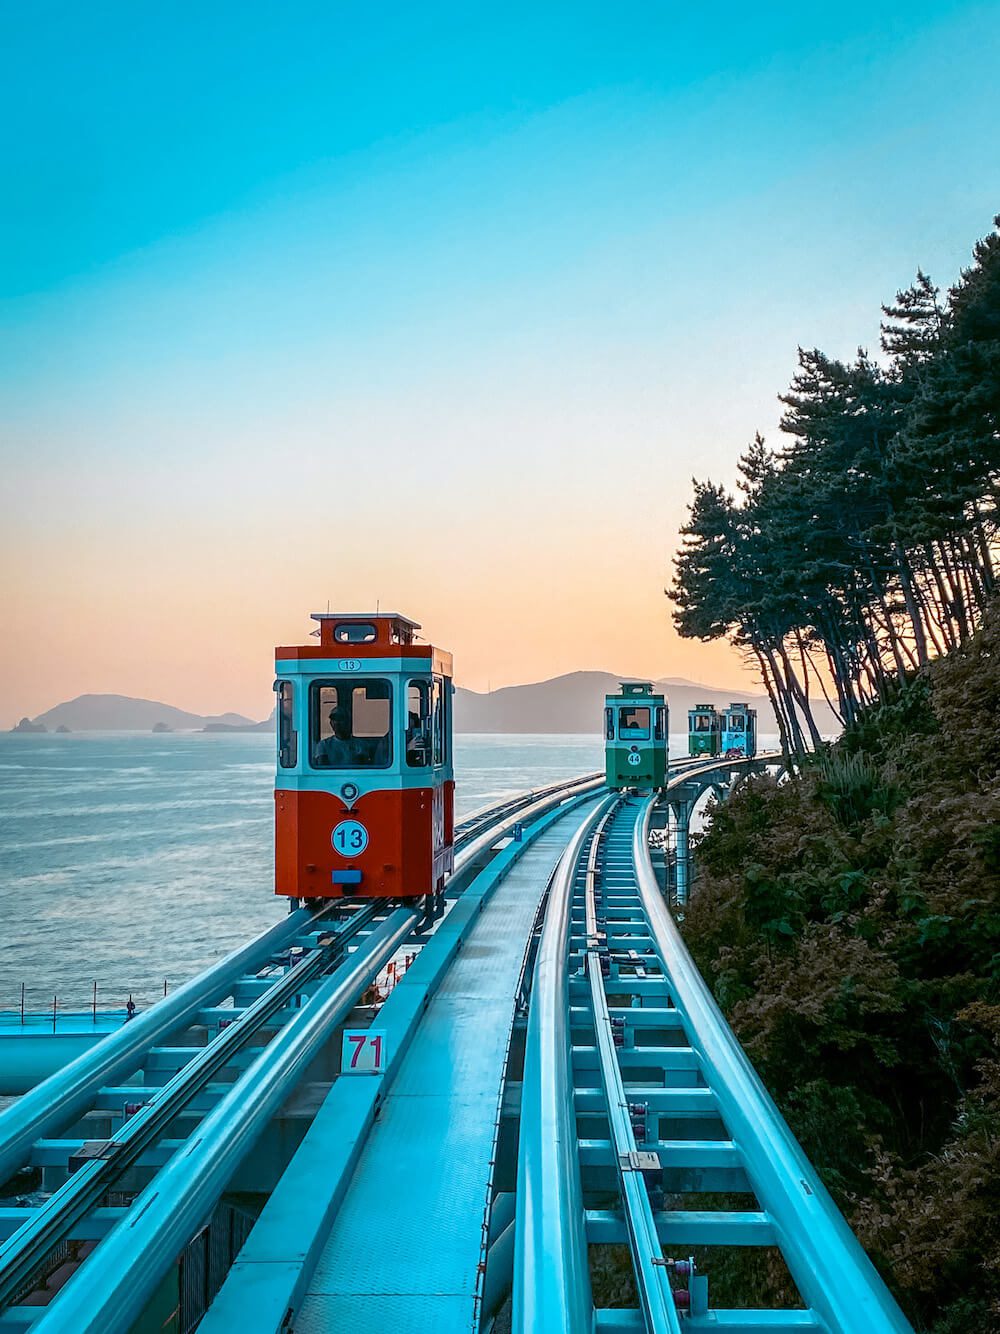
(362, 1052)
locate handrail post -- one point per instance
(682, 802)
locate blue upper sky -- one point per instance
(461, 251)
(126, 123)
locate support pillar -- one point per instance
(682, 800)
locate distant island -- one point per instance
(26, 725)
(122, 713)
(565, 704)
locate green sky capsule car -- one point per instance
(704, 728)
(635, 737)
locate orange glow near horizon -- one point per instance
(141, 620)
(434, 315)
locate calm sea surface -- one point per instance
(133, 859)
(130, 859)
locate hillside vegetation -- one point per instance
(849, 923)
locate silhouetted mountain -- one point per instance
(573, 703)
(570, 703)
(120, 713)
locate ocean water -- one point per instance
(134, 860)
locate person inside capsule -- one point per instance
(336, 750)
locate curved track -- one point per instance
(667, 1113)
(641, 1121)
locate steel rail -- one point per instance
(483, 842)
(22, 1252)
(652, 1279)
(696, 767)
(479, 819)
(828, 1264)
(268, 1284)
(551, 1275)
(68, 1093)
(110, 1291)
(484, 815)
(65, 1095)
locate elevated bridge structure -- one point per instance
(548, 1127)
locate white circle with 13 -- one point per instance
(349, 838)
(634, 758)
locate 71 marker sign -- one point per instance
(362, 1051)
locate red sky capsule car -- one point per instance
(365, 789)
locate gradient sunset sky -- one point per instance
(440, 305)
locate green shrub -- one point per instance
(849, 924)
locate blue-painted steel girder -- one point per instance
(672, 1152)
(644, 1016)
(57, 1152)
(662, 1101)
(665, 1058)
(97, 1224)
(618, 1321)
(690, 1227)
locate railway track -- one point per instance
(171, 1103)
(141, 1137)
(478, 821)
(643, 1123)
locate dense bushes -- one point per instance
(849, 922)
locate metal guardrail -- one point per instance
(484, 816)
(551, 1276)
(656, 1298)
(110, 1291)
(21, 1253)
(34, 1004)
(827, 1262)
(70, 1091)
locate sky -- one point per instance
(439, 306)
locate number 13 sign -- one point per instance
(362, 1052)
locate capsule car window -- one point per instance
(350, 724)
(360, 633)
(438, 727)
(418, 727)
(288, 738)
(634, 722)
